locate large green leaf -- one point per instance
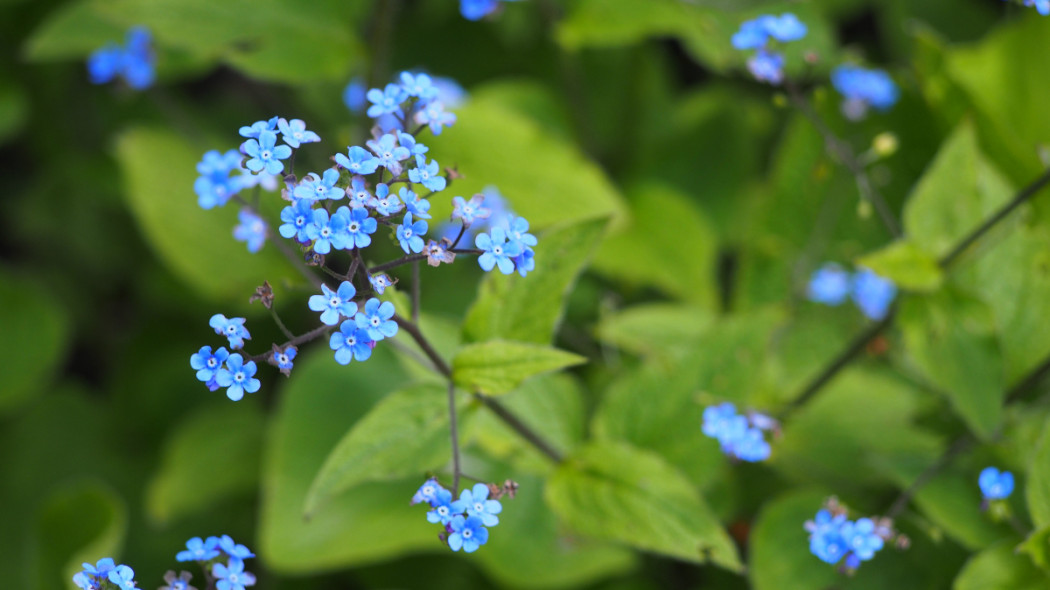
(72, 30)
(80, 522)
(159, 168)
(33, 338)
(906, 265)
(499, 366)
(656, 329)
(1037, 486)
(615, 491)
(530, 308)
(951, 338)
(1001, 568)
(370, 522)
(956, 193)
(406, 434)
(680, 262)
(192, 476)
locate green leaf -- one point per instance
(32, 341)
(406, 434)
(1037, 547)
(957, 192)
(79, 522)
(615, 491)
(1001, 568)
(679, 262)
(191, 476)
(655, 329)
(73, 30)
(544, 178)
(499, 366)
(1037, 486)
(951, 339)
(905, 264)
(780, 557)
(370, 522)
(529, 309)
(159, 169)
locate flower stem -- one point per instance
(454, 433)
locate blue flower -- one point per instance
(389, 153)
(752, 34)
(717, 419)
(386, 101)
(787, 27)
(416, 205)
(233, 549)
(862, 89)
(296, 218)
(215, 186)
(380, 282)
(407, 141)
(104, 64)
(180, 582)
(767, 66)
(233, 329)
(525, 262)
(475, 501)
(101, 569)
(518, 230)
(438, 252)
(376, 319)
(418, 85)
(829, 547)
(333, 304)
(739, 437)
(830, 285)
(996, 485)
(497, 251)
(354, 95)
(351, 343)
(469, 211)
(873, 294)
(359, 193)
(328, 232)
(237, 377)
(282, 358)
(85, 582)
(134, 62)
(294, 132)
(198, 550)
(358, 160)
(208, 364)
(477, 9)
(254, 130)
(316, 188)
(251, 229)
(861, 538)
(123, 576)
(383, 202)
(444, 507)
(409, 234)
(359, 227)
(428, 492)
(427, 174)
(1042, 6)
(265, 153)
(233, 576)
(435, 116)
(467, 534)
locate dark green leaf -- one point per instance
(905, 264)
(1037, 486)
(780, 556)
(499, 366)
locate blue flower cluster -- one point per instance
(1042, 6)
(863, 89)
(465, 520)
(741, 436)
(995, 484)
(478, 9)
(222, 369)
(134, 62)
(834, 538)
(831, 285)
(767, 64)
(220, 556)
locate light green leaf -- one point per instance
(530, 308)
(80, 522)
(615, 491)
(32, 341)
(780, 557)
(73, 30)
(679, 262)
(159, 169)
(1001, 568)
(957, 192)
(192, 476)
(370, 522)
(905, 264)
(1037, 547)
(1037, 486)
(499, 366)
(951, 339)
(406, 434)
(655, 329)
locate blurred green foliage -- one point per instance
(681, 208)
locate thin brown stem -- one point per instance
(454, 433)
